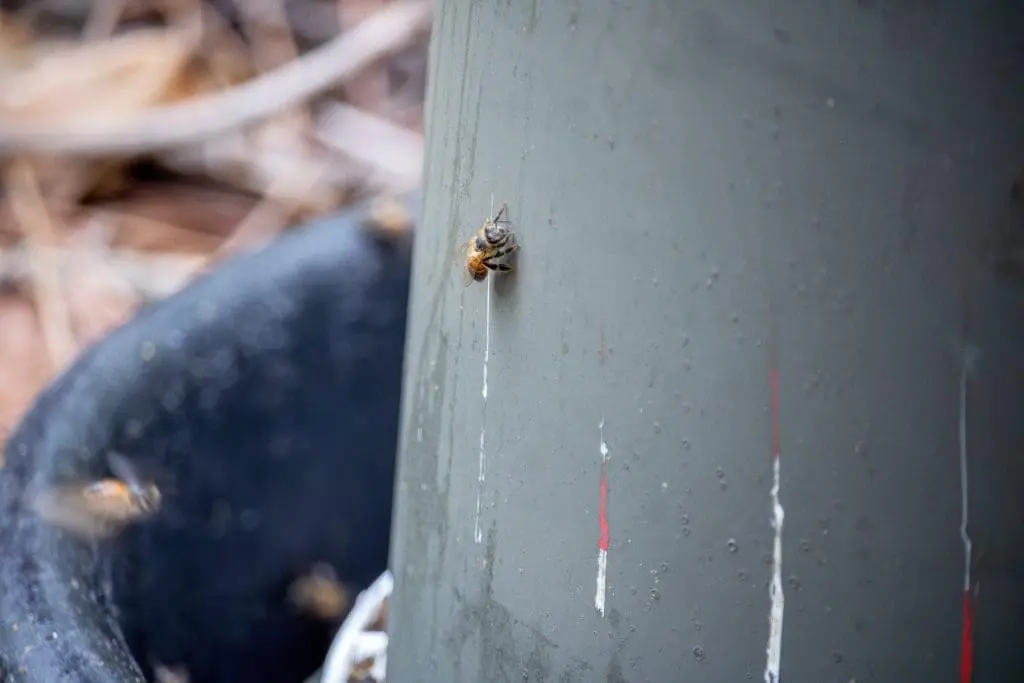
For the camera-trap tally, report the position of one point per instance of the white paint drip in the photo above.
(487, 337)
(347, 650)
(604, 444)
(602, 580)
(477, 532)
(968, 364)
(774, 649)
(602, 554)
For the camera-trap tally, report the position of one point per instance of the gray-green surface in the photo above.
(692, 181)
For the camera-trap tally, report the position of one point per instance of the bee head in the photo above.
(495, 232)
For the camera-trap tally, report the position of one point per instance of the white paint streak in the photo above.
(342, 657)
(602, 554)
(602, 580)
(477, 532)
(604, 444)
(774, 649)
(968, 364)
(487, 337)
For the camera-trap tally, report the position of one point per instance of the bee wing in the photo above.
(124, 469)
(459, 261)
(459, 253)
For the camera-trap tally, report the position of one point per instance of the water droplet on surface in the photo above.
(686, 444)
(805, 545)
(732, 545)
(793, 582)
(657, 428)
(686, 407)
(685, 519)
(698, 653)
(719, 472)
(664, 567)
(655, 595)
(837, 657)
(686, 531)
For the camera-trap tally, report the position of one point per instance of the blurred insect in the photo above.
(320, 593)
(166, 674)
(492, 241)
(387, 218)
(101, 508)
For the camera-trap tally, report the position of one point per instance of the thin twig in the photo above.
(29, 209)
(103, 19)
(150, 275)
(392, 153)
(205, 117)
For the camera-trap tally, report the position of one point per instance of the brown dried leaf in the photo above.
(15, 43)
(172, 217)
(98, 298)
(102, 82)
(370, 89)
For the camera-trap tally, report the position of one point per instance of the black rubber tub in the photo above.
(263, 400)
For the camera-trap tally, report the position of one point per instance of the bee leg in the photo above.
(500, 267)
(505, 251)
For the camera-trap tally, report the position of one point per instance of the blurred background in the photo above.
(98, 218)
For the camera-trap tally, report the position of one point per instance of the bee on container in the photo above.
(101, 508)
(492, 241)
(320, 593)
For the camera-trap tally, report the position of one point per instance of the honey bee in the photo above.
(101, 508)
(320, 593)
(492, 241)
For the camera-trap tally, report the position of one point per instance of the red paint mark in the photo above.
(966, 640)
(602, 510)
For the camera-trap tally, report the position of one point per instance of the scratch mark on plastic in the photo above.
(602, 520)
